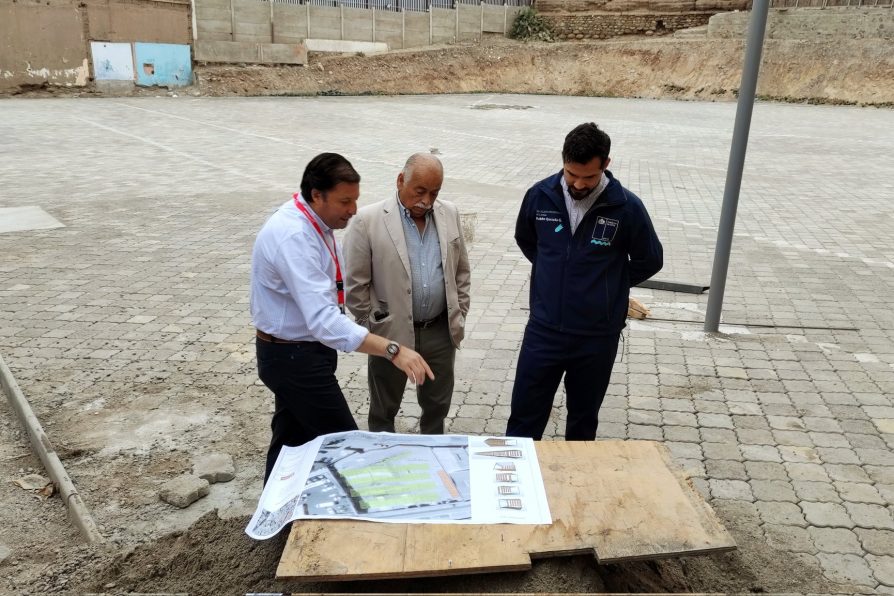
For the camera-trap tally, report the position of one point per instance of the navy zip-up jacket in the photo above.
(581, 284)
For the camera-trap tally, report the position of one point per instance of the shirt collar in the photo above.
(313, 214)
(603, 182)
(406, 212)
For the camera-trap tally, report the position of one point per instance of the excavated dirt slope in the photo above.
(843, 71)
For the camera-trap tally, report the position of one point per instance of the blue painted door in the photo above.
(162, 64)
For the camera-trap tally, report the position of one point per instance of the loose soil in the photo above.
(214, 556)
(839, 72)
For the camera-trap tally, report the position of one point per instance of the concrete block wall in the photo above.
(255, 21)
(252, 21)
(416, 29)
(325, 22)
(357, 24)
(289, 23)
(469, 22)
(214, 20)
(389, 26)
(498, 19)
(443, 25)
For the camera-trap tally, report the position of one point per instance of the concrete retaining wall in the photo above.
(251, 53)
(811, 24)
(345, 47)
(256, 22)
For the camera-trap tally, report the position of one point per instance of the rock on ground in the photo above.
(214, 467)
(184, 490)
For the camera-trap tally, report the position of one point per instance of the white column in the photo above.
(232, 21)
(195, 23)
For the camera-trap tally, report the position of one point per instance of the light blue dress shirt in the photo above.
(293, 295)
(427, 271)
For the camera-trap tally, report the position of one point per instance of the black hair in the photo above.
(325, 172)
(584, 143)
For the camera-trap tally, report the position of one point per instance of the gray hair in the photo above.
(417, 159)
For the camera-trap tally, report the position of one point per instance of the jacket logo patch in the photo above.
(604, 231)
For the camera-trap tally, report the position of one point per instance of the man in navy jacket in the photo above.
(589, 241)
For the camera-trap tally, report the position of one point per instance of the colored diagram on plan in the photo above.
(377, 477)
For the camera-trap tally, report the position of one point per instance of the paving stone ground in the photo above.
(128, 328)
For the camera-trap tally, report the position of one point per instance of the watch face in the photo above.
(392, 349)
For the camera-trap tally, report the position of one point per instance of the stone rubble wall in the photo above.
(604, 26)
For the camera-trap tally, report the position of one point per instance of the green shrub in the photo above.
(530, 26)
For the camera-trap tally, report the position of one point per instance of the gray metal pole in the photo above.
(744, 108)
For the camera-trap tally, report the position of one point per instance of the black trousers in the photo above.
(586, 362)
(309, 402)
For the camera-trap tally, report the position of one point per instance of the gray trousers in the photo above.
(387, 383)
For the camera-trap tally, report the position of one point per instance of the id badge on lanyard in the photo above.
(339, 282)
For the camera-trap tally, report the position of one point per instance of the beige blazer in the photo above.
(377, 270)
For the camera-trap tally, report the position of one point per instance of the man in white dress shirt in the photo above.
(297, 306)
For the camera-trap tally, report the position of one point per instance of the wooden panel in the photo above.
(620, 500)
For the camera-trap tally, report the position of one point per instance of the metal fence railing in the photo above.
(832, 4)
(398, 5)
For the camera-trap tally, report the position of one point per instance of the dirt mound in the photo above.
(839, 71)
(654, 68)
(215, 556)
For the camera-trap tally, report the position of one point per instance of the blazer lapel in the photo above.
(395, 228)
(442, 222)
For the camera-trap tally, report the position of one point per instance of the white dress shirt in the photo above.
(578, 208)
(293, 295)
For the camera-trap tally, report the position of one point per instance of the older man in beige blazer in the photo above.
(407, 278)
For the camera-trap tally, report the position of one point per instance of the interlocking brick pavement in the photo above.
(128, 328)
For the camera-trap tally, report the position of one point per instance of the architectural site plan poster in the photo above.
(396, 478)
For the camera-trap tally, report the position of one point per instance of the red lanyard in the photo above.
(339, 284)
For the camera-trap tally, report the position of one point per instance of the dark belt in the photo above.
(275, 340)
(430, 322)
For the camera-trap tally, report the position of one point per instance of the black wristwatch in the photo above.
(392, 350)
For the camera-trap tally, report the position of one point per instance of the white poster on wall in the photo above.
(112, 61)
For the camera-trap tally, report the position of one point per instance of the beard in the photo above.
(579, 195)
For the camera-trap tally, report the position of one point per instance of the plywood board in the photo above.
(619, 500)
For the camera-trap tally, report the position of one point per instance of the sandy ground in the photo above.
(215, 556)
